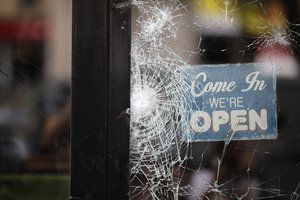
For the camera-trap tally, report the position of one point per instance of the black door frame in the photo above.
(100, 97)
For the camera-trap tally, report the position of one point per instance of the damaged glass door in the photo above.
(214, 99)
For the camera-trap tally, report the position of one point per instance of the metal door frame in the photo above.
(100, 97)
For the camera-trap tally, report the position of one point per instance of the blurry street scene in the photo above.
(35, 74)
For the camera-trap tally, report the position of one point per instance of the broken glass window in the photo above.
(169, 36)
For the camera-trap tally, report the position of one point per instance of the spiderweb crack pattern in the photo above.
(158, 154)
(156, 91)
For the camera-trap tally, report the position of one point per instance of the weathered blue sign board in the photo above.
(230, 102)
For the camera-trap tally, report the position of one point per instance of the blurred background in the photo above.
(35, 74)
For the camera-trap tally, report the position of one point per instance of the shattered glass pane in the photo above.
(171, 35)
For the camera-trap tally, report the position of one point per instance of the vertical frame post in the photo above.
(119, 98)
(100, 97)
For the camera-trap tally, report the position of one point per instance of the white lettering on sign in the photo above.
(258, 120)
(223, 102)
(239, 120)
(211, 87)
(219, 118)
(236, 102)
(200, 121)
(223, 86)
(254, 84)
(217, 102)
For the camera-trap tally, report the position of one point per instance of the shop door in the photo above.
(184, 99)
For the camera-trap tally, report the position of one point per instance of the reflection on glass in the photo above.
(169, 35)
(35, 99)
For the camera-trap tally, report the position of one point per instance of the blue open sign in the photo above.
(230, 102)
